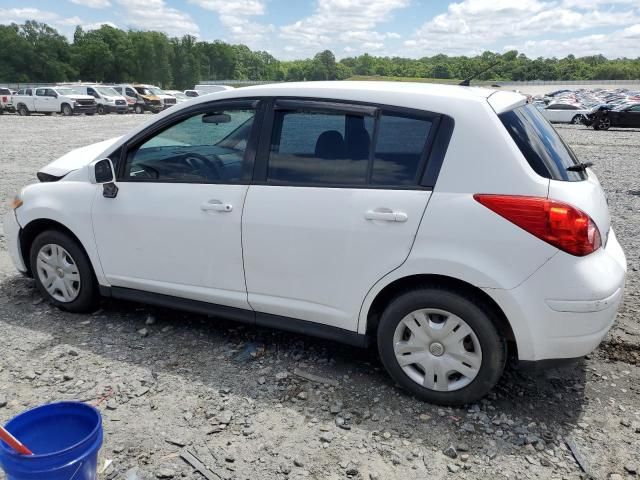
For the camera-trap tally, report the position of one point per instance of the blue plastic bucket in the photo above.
(64, 437)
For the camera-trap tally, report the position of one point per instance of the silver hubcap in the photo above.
(437, 349)
(58, 273)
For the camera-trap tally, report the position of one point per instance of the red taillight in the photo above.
(557, 223)
(5, 99)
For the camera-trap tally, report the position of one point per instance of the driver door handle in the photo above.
(216, 206)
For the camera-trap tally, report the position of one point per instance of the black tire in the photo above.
(23, 111)
(88, 295)
(66, 110)
(101, 110)
(139, 109)
(478, 317)
(604, 124)
(577, 120)
(48, 114)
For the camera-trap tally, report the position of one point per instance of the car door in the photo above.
(629, 117)
(334, 206)
(174, 227)
(41, 101)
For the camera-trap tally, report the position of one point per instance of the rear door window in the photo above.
(347, 148)
(543, 148)
(399, 149)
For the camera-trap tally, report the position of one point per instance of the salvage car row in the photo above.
(597, 108)
(89, 99)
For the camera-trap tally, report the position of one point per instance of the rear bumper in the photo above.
(11, 229)
(565, 309)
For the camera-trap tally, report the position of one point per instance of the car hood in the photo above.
(78, 158)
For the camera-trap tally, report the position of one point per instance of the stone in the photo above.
(3, 401)
(298, 463)
(165, 473)
(143, 332)
(453, 468)
(112, 404)
(151, 320)
(632, 468)
(326, 437)
(281, 375)
(386, 435)
(302, 396)
(225, 417)
(450, 452)
(261, 380)
(463, 447)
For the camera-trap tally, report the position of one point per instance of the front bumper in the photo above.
(85, 108)
(11, 229)
(565, 308)
(115, 108)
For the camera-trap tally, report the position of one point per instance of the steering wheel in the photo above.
(212, 167)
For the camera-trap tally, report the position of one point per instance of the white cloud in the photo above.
(20, 15)
(156, 15)
(96, 25)
(232, 7)
(621, 43)
(338, 22)
(472, 26)
(93, 3)
(235, 16)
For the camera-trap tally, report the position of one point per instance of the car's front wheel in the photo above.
(62, 272)
(441, 346)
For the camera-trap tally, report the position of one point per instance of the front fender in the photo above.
(69, 204)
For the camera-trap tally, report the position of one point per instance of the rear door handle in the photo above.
(216, 206)
(385, 215)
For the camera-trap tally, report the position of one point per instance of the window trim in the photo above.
(422, 181)
(168, 122)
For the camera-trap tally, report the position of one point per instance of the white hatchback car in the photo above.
(448, 225)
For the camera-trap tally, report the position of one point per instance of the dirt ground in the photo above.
(168, 382)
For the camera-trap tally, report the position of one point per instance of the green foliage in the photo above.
(35, 52)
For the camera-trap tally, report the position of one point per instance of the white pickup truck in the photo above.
(50, 100)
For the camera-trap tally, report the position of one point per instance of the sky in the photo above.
(290, 29)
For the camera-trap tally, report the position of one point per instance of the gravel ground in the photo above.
(167, 382)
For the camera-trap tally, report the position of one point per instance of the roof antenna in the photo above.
(507, 57)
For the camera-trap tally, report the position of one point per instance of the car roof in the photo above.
(406, 94)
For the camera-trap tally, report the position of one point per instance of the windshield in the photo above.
(67, 91)
(108, 91)
(540, 144)
(156, 91)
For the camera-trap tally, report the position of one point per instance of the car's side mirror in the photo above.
(101, 172)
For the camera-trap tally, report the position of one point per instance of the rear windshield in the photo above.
(540, 144)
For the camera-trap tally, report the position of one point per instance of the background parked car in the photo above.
(5, 101)
(180, 96)
(49, 100)
(107, 99)
(623, 116)
(153, 91)
(131, 96)
(192, 93)
(565, 113)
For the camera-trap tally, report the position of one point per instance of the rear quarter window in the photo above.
(543, 148)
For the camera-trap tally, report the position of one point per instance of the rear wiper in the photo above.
(579, 167)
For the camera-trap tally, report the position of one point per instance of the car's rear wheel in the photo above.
(577, 120)
(62, 272)
(441, 346)
(138, 109)
(23, 111)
